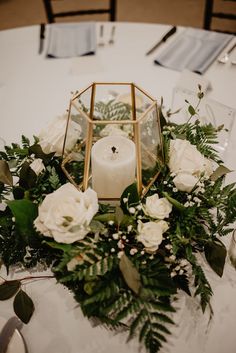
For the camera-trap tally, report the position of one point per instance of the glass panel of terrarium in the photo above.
(208, 111)
(142, 102)
(116, 128)
(83, 101)
(112, 102)
(151, 149)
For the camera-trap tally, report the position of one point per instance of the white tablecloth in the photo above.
(33, 90)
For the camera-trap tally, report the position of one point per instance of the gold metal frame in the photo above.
(88, 141)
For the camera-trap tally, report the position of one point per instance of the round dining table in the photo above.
(33, 90)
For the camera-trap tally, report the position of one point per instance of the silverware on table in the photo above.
(8, 331)
(101, 41)
(223, 59)
(111, 40)
(162, 40)
(41, 37)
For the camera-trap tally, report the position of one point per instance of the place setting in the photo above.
(68, 40)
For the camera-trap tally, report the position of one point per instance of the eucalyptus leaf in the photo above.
(174, 202)
(130, 274)
(59, 246)
(28, 177)
(132, 196)
(106, 217)
(191, 110)
(18, 192)
(36, 149)
(8, 289)
(128, 220)
(215, 253)
(96, 226)
(5, 174)
(23, 306)
(25, 213)
(219, 172)
(163, 121)
(119, 214)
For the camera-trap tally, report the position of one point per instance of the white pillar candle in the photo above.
(113, 166)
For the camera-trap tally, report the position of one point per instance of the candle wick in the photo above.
(114, 149)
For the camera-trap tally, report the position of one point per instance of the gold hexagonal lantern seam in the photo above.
(88, 114)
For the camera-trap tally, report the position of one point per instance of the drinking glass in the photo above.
(209, 111)
(232, 249)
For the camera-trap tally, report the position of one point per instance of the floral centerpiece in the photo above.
(127, 263)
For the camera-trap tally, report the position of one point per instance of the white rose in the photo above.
(51, 139)
(66, 213)
(156, 207)
(185, 181)
(164, 225)
(37, 166)
(184, 157)
(150, 235)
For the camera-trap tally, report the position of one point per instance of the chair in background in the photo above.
(210, 14)
(52, 15)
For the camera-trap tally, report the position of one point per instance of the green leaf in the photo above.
(119, 215)
(163, 121)
(130, 193)
(106, 217)
(96, 226)
(8, 289)
(23, 306)
(38, 152)
(25, 213)
(219, 172)
(18, 192)
(5, 174)
(215, 253)
(191, 110)
(89, 287)
(27, 176)
(64, 247)
(174, 202)
(130, 274)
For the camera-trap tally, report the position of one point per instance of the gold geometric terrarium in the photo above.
(118, 141)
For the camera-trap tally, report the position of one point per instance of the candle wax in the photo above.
(113, 165)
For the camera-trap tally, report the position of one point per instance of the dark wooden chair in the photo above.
(209, 14)
(52, 14)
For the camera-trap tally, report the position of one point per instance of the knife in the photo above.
(7, 332)
(41, 37)
(163, 39)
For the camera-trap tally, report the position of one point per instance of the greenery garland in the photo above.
(113, 275)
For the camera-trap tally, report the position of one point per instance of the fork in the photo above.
(101, 42)
(111, 40)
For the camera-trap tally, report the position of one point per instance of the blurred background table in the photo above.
(33, 90)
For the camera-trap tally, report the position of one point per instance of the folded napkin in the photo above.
(194, 49)
(71, 39)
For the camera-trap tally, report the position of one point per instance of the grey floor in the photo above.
(17, 13)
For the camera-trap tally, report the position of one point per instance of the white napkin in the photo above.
(68, 40)
(194, 49)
